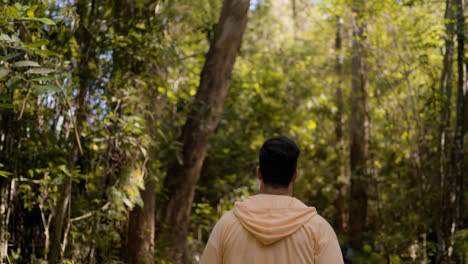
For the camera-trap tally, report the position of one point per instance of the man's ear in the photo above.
(294, 176)
(259, 174)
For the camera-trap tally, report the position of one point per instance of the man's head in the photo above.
(278, 161)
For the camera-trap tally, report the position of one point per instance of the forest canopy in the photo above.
(129, 127)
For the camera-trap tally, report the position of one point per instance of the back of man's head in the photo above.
(278, 161)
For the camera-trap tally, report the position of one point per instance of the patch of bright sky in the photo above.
(254, 3)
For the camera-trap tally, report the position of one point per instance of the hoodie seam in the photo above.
(227, 228)
(274, 208)
(215, 248)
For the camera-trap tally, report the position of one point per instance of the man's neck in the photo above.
(266, 189)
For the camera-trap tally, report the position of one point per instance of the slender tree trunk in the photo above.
(8, 142)
(446, 87)
(339, 127)
(359, 130)
(57, 226)
(460, 128)
(443, 222)
(295, 22)
(3, 220)
(182, 179)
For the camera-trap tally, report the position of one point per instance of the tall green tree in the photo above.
(59, 220)
(446, 84)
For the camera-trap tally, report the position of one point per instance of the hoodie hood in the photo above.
(270, 218)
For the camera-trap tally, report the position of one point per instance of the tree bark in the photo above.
(443, 222)
(57, 225)
(446, 86)
(181, 179)
(359, 133)
(141, 226)
(339, 128)
(456, 194)
(295, 22)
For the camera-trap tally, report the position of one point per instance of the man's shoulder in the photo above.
(227, 218)
(318, 221)
(320, 227)
(224, 224)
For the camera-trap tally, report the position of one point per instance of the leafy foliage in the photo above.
(140, 69)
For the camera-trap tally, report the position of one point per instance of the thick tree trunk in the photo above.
(339, 128)
(141, 226)
(181, 179)
(452, 181)
(359, 133)
(443, 222)
(61, 209)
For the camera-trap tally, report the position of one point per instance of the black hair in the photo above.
(278, 161)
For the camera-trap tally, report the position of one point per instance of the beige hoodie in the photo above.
(272, 229)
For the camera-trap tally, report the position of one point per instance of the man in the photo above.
(273, 227)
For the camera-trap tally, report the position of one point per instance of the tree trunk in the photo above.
(446, 87)
(141, 226)
(295, 22)
(339, 127)
(460, 129)
(181, 179)
(443, 222)
(83, 37)
(9, 139)
(358, 130)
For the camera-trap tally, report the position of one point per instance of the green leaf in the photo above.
(43, 78)
(13, 82)
(31, 10)
(4, 72)
(46, 52)
(13, 11)
(7, 106)
(5, 37)
(46, 88)
(17, 47)
(10, 56)
(47, 21)
(25, 64)
(4, 97)
(179, 157)
(127, 202)
(15, 38)
(44, 20)
(40, 70)
(37, 44)
(5, 174)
